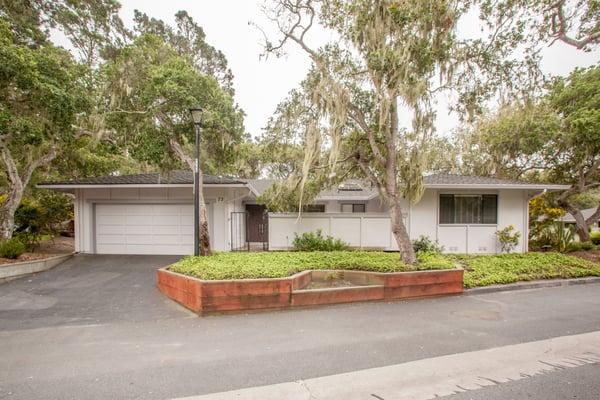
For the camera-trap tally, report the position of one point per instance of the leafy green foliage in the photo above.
(595, 238)
(40, 216)
(579, 246)
(509, 268)
(315, 241)
(508, 238)
(424, 244)
(12, 248)
(542, 215)
(281, 264)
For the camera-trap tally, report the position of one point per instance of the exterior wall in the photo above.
(364, 230)
(373, 229)
(470, 238)
(221, 202)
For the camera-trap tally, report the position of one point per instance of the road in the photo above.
(91, 330)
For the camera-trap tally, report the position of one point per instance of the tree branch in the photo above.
(560, 26)
(183, 156)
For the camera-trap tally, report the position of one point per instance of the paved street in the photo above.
(96, 327)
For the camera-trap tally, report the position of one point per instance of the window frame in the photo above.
(481, 212)
(363, 205)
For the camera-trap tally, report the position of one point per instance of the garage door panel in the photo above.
(187, 210)
(139, 220)
(167, 239)
(139, 209)
(111, 249)
(138, 229)
(139, 239)
(111, 239)
(112, 209)
(187, 229)
(144, 228)
(166, 230)
(110, 229)
(110, 219)
(166, 209)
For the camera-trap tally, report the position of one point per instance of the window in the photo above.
(313, 208)
(468, 209)
(353, 208)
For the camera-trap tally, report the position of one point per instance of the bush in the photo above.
(508, 238)
(12, 248)
(595, 238)
(579, 246)
(509, 268)
(278, 264)
(425, 245)
(315, 241)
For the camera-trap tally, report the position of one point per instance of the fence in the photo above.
(364, 230)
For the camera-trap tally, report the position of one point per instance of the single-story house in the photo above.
(568, 219)
(153, 213)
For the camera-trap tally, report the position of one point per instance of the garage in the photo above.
(144, 229)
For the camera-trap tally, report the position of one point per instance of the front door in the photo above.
(257, 223)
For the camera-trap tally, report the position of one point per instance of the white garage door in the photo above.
(144, 228)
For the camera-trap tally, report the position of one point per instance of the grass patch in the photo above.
(510, 268)
(281, 264)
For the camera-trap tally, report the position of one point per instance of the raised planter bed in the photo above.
(20, 269)
(206, 296)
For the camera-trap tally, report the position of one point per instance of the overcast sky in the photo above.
(261, 84)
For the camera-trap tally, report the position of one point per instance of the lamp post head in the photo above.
(196, 115)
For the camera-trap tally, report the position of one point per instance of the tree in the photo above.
(388, 57)
(40, 95)
(150, 90)
(555, 138)
(539, 22)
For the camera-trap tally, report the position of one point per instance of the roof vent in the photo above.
(349, 187)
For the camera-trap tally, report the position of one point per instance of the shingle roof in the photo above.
(174, 177)
(452, 179)
(586, 214)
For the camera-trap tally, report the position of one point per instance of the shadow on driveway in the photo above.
(88, 289)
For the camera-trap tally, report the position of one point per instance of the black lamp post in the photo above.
(197, 118)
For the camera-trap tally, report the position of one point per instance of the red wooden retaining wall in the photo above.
(206, 297)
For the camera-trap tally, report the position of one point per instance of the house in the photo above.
(569, 220)
(153, 213)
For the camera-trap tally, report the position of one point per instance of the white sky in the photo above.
(261, 84)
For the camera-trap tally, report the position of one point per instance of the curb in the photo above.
(531, 285)
(12, 271)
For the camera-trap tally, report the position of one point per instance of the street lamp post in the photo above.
(197, 118)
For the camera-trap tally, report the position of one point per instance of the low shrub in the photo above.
(12, 248)
(426, 245)
(579, 246)
(508, 238)
(595, 238)
(279, 264)
(509, 268)
(315, 241)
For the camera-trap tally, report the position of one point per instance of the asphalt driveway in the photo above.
(88, 289)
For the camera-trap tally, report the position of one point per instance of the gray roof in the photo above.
(452, 179)
(586, 214)
(179, 177)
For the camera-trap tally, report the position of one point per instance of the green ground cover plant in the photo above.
(509, 268)
(286, 263)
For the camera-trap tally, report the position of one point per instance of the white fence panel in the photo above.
(368, 230)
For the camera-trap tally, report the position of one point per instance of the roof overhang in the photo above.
(136, 186)
(522, 186)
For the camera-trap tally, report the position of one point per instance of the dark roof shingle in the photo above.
(180, 177)
(452, 179)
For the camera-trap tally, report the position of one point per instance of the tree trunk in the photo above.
(204, 232)
(407, 253)
(581, 225)
(580, 222)
(7, 212)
